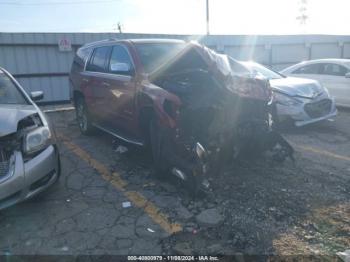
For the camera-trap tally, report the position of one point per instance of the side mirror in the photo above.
(122, 68)
(347, 75)
(36, 95)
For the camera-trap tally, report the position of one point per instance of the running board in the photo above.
(131, 141)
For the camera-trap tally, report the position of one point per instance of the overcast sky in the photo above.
(175, 16)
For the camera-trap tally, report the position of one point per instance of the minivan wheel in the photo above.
(83, 117)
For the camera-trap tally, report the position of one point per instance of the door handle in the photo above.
(85, 80)
(106, 84)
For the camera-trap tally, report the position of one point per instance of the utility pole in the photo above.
(207, 17)
(302, 17)
(120, 27)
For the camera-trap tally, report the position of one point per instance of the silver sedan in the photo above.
(334, 74)
(304, 101)
(29, 158)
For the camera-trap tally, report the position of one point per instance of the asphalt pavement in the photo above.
(108, 202)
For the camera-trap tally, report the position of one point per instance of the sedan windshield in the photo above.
(9, 93)
(257, 68)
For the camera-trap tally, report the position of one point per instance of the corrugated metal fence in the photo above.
(35, 60)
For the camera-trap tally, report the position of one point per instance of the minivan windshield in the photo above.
(154, 55)
(9, 93)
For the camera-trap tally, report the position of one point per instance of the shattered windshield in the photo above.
(221, 61)
(154, 55)
(223, 64)
(9, 93)
(262, 70)
(238, 68)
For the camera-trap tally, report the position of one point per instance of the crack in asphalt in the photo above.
(135, 197)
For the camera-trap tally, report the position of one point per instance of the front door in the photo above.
(333, 78)
(311, 71)
(121, 84)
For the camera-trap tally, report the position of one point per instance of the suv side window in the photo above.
(120, 55)
(308, 69)
(333, 70)
(80, 58)
(98, 59)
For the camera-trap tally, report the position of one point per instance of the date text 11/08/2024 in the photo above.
(173, 258)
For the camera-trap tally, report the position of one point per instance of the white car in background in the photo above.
(334, 74)
(304, 101)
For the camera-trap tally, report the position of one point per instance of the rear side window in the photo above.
(333, 70)
(80, 59)
(308, 69)
(120, 56)
(98, 59)
(81, 56)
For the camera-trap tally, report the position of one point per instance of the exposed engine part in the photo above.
(13, 142)
(8, 145)
(205, 184)
(29, 122)
(283, 149)
(227, 116)
(4, 163)
(178, 173)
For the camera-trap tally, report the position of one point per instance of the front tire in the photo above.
(83, 117)
(157, 145)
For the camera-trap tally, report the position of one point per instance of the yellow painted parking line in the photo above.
(115, 179)
(323, 152)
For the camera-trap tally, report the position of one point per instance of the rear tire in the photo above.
(83, 117)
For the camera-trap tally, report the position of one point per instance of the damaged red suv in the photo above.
(180, 98)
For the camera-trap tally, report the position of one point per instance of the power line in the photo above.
(17, 3)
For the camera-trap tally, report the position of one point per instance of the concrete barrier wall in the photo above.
(35, 60)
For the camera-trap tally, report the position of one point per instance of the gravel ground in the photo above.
(300, 208)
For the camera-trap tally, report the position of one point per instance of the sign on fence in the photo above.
(64, 45)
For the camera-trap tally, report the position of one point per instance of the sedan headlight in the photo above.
(37, 139)
(285, 100)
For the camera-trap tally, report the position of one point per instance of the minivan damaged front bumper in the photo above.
(26, 179)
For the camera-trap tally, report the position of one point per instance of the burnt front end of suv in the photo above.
(216, 118)
(213, 130)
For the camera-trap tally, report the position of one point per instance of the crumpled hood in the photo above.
(294, 86)
(10, 115)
